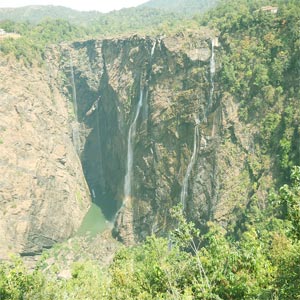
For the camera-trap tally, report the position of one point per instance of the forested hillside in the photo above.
(261, 69)
(151, 9)
(35, 14)
(35, 37)
(187, 7)
(258, 255)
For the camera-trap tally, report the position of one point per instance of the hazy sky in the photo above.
(100, 5)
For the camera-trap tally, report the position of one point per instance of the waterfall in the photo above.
(184, 189)
(102, 181)
(130, 140)
(147, 81)
(212, 69)
(75, 125)
(130, 144)
(73, 88)
(153, 48)
(213, 130)
(212, 72)
(75, 136)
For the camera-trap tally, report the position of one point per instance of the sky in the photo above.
(100, 5)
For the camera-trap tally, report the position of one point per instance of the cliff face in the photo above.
(151, 125)
(43, 193)
(156, 128)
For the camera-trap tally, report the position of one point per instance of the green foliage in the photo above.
(260, 68)
(287, 279)
(34, 39)
(261, 263)
(260, 258)
(237, 270)
(16, 281)
(187, 7)
(35, 14)
(289, 199)
(141, 20)
(155, 9)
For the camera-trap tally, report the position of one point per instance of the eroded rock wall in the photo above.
(174, 75)
(67, 127)
(43, 193)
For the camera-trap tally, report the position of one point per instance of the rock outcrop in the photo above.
(94, 92)
(174, 76)
(43, 193)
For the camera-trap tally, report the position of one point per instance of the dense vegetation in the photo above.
(260, 257)
(34, 38)
(187, 7)
(36, 14)
(141, 20)
(261, 70)
(31, 45)
(261, 263)
(40, 26)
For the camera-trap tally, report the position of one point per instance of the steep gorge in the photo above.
(164, 93)
(43, 193)
(149, 108)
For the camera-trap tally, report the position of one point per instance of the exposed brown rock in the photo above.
(43, 194)
(175, 78)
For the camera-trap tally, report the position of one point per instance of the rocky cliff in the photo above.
(156, 128)
(144, 121)
(43, 193)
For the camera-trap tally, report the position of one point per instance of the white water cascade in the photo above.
(130, 144)
(75, 128)
(212, 72)
(185, 182)
(153, 48)
(73, 88)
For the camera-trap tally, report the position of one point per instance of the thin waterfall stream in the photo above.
(185, 182)
(212, 69)
(75, 127)
(212, 73)
(130, 143)
(153, 49)
(73, 88)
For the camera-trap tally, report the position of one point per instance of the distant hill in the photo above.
(187, 7)
(134, 20)
(127, 20)
(36, 13)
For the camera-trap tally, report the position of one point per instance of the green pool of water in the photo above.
(93, 223)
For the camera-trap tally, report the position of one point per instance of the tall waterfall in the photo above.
(153, 48)
(212, 72)
(75, 126)
(212, 69)
(73, 88)
(184, 189)
(96, 104)
(130, 144)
